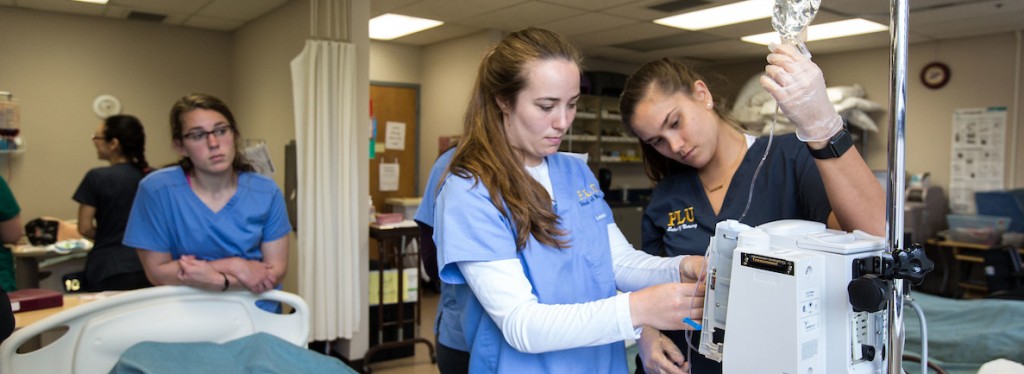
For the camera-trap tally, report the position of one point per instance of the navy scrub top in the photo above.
(680, 221)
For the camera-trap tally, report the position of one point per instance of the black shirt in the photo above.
(111, 190)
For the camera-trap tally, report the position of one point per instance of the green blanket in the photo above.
(257, 353)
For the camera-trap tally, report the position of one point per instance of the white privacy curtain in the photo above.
(324, 90)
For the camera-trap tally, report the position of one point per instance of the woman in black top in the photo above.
(106, 195)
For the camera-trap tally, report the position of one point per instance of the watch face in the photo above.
(935, 75)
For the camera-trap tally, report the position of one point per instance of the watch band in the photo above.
(837, 145)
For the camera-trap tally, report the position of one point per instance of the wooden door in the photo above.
(395, 103)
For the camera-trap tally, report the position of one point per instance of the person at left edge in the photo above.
(10, 233)
(210, 222)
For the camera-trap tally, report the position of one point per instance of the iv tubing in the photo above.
(924, 334)
(898, 22)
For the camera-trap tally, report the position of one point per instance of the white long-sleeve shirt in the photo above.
(528, 326)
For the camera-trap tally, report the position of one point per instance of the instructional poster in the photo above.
(976, 156)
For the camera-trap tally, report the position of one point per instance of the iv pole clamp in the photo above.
(869, 291)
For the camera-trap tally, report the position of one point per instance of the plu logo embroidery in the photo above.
(589, 194)
(681, 220)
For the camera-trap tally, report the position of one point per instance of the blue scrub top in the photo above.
(447, 325)
(167, 216)
(469, 228)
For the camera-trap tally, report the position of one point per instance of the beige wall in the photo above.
(982, 76)
(448, 71)
(395, 63)
(56, 64)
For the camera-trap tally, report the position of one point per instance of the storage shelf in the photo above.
(597, 131)
(619, 139)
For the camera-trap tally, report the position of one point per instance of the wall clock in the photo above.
(106, 105)
(935, 75)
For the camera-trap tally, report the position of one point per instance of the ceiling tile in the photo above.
(114, 11)
(641, 10)
(212, 23)
(239, 10)
(175, 19)
(163, 7)
(63, 6)
(378, 7)
(437, 34)
(627, 33)
(454, 10)
(521, 16)
(590, 4)
(668, 41)
(585, 23)
(722, 50)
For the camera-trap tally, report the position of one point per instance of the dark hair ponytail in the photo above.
(129, 133)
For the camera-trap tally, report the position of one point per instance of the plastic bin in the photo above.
(405, 205)
(1003, 203)
(985, 230)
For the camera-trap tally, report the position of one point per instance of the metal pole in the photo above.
(898, 21)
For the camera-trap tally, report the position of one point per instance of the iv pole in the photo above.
(898, 20)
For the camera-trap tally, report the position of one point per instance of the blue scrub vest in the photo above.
(469, 228)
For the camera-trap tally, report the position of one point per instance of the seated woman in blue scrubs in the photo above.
(703, 164)
(210, 222)
(528, 230)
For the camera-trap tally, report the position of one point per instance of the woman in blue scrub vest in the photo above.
(528, 231)
(210, 222)
(452, 351)
(703, 164)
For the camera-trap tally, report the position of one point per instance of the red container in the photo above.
(389, 218)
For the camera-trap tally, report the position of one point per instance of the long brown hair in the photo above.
(485, 153)
(667, 76)
(195, 101)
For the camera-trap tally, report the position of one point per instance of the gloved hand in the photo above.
(799, 87)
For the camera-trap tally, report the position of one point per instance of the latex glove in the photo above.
(659, 354)
(799, 87)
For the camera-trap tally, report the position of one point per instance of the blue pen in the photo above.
(695, 325)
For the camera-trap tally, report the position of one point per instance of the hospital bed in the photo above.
(964, 334)
(98, 332)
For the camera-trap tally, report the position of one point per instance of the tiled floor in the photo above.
(420, 363)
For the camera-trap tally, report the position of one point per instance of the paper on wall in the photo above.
(976, 157)
(388, 176)
(394, 135)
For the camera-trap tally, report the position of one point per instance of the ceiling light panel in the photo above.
(831, 30)
(390, 26)
(729, 14)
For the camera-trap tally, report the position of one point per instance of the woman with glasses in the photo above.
(210, 222)
(106, 195)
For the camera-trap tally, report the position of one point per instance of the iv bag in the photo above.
(791, 17)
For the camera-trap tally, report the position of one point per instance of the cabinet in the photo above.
(598, 132)
(968, 267)
(394, 323)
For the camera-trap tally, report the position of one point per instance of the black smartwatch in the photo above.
(837, 145)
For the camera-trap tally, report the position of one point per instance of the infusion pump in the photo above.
(777, 300)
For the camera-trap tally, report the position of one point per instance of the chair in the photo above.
(99, 331)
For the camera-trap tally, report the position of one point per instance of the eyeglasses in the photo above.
(98, 137)
(200, 135)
